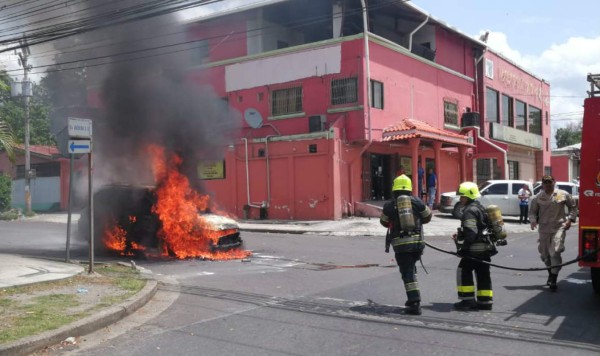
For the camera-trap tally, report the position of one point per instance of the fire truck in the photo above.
(589, 184)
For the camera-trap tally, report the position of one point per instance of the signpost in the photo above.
(80, 141)
(79, 146)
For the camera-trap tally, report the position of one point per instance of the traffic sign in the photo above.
(80, 146)
(81, 128)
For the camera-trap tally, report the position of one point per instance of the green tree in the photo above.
(7, 139)
(568, 135)
(12, 111)
(5, 192)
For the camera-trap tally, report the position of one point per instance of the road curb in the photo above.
(84, 326)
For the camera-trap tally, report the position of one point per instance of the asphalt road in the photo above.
(334, 295)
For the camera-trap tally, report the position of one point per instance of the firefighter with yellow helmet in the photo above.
(404, 216)
(473, 243)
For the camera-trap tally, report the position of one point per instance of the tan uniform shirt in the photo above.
(548, 210)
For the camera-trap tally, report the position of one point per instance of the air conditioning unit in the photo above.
(470, 119)
(317, 123)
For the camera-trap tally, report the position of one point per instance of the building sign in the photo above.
(406, 163)
(512, 135)
(518, 84)
(211, 169)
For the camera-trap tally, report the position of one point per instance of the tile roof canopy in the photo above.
(412, 128)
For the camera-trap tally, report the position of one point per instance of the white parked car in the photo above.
(503, 193)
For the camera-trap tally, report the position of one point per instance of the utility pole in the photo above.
(27, 93)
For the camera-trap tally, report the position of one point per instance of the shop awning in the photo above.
(412, 128)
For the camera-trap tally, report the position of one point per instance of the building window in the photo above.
(199, 54)
(286, 101)
(508, 111)
(491, 105)
(513, 170)
(489, 68)
(521, 122)
(535, 120)
(344, 91)
(451, 112)
(376, 94)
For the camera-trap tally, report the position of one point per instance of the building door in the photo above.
(381, 177)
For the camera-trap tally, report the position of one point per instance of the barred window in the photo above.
(450, 113)
(344, 91)
(286, 101)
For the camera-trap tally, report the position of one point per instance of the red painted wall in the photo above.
(454, 52)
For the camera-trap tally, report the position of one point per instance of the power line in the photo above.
(115, 18)
(296, 23)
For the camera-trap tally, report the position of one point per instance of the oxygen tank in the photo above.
(497, 231)
(405, 213)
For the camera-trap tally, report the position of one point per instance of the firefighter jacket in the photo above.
(405, 241)
(549, 210)
(472, 237)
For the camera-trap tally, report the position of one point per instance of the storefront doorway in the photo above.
(382, 177)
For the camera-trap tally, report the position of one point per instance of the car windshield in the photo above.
(483, 185)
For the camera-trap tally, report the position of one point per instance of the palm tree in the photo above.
(7, 140)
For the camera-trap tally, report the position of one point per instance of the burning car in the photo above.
(131, 220)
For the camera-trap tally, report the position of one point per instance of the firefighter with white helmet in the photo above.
(404, 216)
(473, 244)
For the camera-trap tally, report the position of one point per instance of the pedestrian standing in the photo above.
(474, 247)
(432, 183)
(524, 194)
(404, 216)
(548, 212)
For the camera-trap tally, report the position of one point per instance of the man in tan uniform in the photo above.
(547, 210)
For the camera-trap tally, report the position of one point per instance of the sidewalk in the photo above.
(440, 225)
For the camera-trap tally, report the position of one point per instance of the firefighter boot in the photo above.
(413, 308)
(552, 282)
(466, 305)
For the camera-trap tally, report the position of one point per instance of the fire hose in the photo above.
(514, 268)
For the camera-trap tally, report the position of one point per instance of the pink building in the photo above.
(332, 114)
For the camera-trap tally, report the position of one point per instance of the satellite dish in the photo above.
(253, 118)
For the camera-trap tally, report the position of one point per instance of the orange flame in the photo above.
(184, 232)
(115, 239)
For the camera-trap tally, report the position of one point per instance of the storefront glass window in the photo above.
(508, 113)
(521, 122)
(491, 104)
(535, 120)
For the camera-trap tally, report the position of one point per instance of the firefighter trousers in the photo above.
(407, 263)
(465, 284)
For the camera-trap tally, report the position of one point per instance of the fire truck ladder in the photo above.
(594, 80)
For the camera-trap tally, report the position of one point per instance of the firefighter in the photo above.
(473, 245)
(404, 216)
(548, 213)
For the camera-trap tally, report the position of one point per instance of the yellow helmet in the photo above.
(402, 182)
(469, 190)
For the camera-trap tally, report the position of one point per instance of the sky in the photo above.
(556, 40)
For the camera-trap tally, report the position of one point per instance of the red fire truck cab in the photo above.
(589, 184)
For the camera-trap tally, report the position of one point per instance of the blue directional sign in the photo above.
(80, 146)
